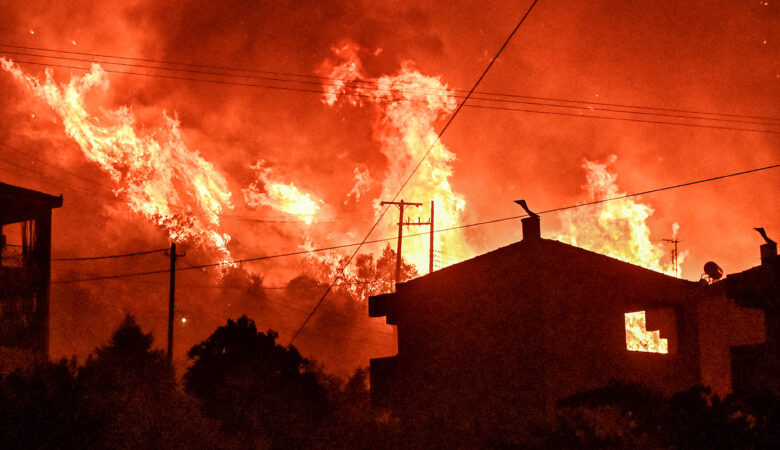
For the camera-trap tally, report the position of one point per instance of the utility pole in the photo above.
(400, 206)
(674, 241)
(430, 250)
(430, 263)
(171, 301)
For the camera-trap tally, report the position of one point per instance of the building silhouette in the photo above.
(756, 368)
(488, 346)
(25, 259)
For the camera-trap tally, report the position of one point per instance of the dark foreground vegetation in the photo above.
(243, 390)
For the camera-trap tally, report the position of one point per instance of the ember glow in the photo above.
(157, 174)
(287, 198)
(617, 228)
(409, 105)
(638, 339)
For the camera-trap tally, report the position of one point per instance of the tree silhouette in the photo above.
(369, 277)
(129, 398)
(622, 415)
(255, 387)
(37, 406)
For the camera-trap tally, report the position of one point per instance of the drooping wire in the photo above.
(321, 79)
(109, 194)
(441, 230)
(320, 91)
(414, 170)
(123, 255)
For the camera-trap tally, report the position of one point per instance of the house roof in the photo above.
(547, 246)
(541, 254)
(17, 204)
(757, 287)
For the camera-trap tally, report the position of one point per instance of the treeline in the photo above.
(244, 390)
(622, 415)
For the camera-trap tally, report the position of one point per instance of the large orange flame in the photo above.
(409, 104)
(616, 228)
(161, 178)
(286, 198)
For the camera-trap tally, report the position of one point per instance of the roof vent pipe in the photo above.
(531, 224)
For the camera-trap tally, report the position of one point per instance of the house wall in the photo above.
(490, 345)
(24, 282)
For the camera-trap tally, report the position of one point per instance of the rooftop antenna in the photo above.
(675, 253)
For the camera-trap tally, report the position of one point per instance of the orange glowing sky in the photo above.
(703, 56)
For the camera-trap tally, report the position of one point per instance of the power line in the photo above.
(334, 316)
(44, 179)
(454, 92)
(62, 183)
(320, 91)
(123, 255)
(627, 119)
(51, 180)
(360, 82)
(441, 230)
(55, 166)
(283, 304)
(414, 170)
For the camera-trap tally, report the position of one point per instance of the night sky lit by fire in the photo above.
(342, 101)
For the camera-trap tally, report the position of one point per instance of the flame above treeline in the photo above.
(616, 228)
(158, 174)
(283, 197)
(409, 104)
(179, 190)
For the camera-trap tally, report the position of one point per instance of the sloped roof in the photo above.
(541, 246)
(530, 258)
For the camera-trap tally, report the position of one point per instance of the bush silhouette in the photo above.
(258, 390)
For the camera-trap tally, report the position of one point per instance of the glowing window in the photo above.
(638, 339)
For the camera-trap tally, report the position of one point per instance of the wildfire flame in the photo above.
(409, 104)
(617, 228)
(265, 191)
(638, 339)
(161, 178)
(363, 183)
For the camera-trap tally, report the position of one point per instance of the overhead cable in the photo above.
(441, 230)
(405, 87)
(471, 105)
(414, 170)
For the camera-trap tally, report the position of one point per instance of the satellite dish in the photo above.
(713, 270)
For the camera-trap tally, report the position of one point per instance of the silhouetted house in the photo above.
(492, 343)
(25, 258)
(756, 368)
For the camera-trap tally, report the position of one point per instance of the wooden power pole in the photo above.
(430, 250)
(401, 224)
(171, 301)
(430, 262)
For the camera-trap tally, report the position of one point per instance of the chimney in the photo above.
(769, 249)
(531, 224)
